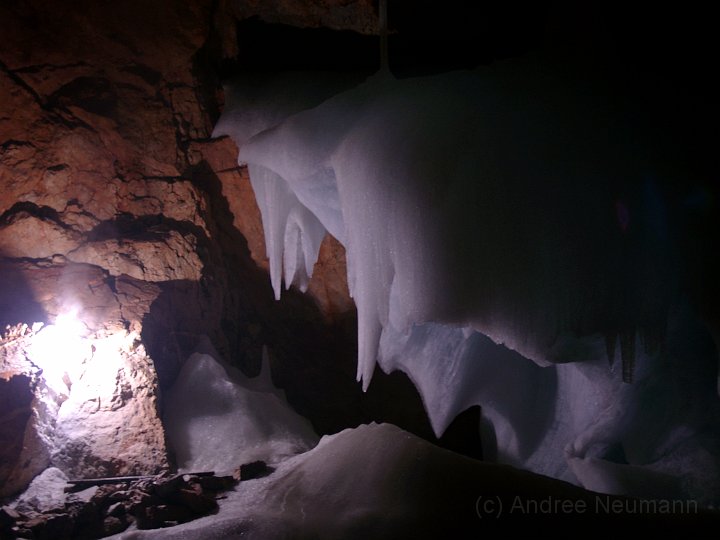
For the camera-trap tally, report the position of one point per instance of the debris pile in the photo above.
(111, 505)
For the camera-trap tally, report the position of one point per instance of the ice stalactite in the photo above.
(292, 232)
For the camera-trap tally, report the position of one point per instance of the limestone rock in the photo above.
(104, 137)
(109, 425)
(46, 510)
(254, 469)
(101, 419)
(328, 285)
(57, 287)
(35, 238)
(45, 493)
(170, 258)
(221, 156)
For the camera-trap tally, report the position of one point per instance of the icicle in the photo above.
(627, 352)
(303, 236)
(296, 272)
(369, 332)
(275, 200)
(292, 232)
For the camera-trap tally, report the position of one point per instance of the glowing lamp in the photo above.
(60, 350)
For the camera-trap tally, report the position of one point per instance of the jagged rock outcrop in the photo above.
(101, 214)
(102, 419)
(109, 425)
(54, 508)
(357, 15)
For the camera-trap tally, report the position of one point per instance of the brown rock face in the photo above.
(110, 180)
(357, 15)
(100, 213)
(109, 425)
(98, 107)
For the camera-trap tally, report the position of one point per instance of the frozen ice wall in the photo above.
(497, 221)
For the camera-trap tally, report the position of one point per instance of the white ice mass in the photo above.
(504, 240)
(217, 419)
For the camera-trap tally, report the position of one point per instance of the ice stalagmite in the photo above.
(217, 419)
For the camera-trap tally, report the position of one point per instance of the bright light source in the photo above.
(60, 350)
(70, 325)
(100, 375)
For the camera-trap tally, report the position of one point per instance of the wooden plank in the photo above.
(81, 483)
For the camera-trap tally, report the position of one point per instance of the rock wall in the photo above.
(115, 200)
(110, 425)
(98, 105)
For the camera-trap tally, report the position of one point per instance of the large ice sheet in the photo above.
(440, 215)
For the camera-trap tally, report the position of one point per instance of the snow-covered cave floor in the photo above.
(378, 481)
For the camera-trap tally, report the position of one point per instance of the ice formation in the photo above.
(496, 222)
(216, 419)
(261, 100)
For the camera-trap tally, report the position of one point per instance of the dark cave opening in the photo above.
(423, 39)
(278, 47)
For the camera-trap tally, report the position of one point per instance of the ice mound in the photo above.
(378, 481)
(216, 422)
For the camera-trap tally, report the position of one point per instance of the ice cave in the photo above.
(358, 269)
